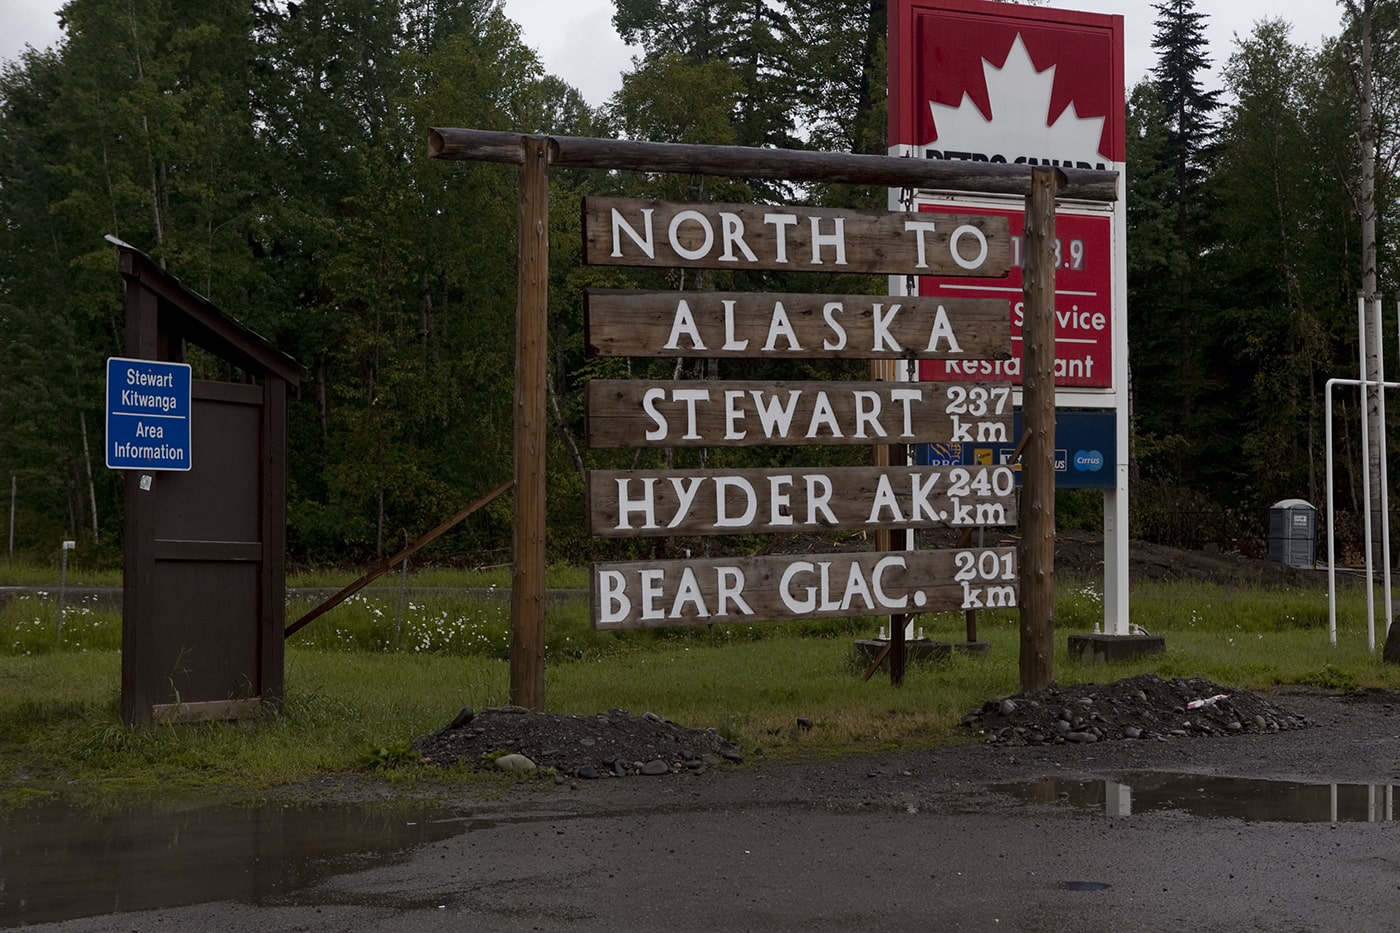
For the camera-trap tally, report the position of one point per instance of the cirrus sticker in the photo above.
(1088, 461)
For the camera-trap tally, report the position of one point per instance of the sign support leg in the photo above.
(531, 371)
(1037, 565)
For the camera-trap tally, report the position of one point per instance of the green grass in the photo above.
(555, 577)
(23, 573)
(363, 681)
(419, 575)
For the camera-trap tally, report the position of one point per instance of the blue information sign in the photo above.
(148, 415)
(1084, 450)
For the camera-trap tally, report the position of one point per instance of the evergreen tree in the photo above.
(1171, 321)
(1273, 341)
(1189, 109)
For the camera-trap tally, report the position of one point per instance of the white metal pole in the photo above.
(62, 587)
(1331, 520)
(1331, 498)
(1385, 473)
(1366, 474)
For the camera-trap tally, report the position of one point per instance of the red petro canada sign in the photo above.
(1083, 304)
(1001, 83)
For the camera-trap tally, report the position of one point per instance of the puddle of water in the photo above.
(1246, 799)
(60, 863)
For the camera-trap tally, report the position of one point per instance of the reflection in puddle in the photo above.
(1204, 795)
(58, 862)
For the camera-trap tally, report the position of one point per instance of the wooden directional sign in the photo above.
(648, 594)
(634, 232)
(624, 413)
(790, 326)
(628, 503)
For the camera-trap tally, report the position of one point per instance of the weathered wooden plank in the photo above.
(630, 503)
(794, 326)
(653, 594)
(628, 413)
(637, 232)
(748, 162)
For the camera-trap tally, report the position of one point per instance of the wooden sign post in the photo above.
(532, 368)
(882, 414)
(1038, 426)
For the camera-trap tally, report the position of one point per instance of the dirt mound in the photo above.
(1142, 707)
(611, 744)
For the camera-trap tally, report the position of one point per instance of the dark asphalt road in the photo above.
(908, 842)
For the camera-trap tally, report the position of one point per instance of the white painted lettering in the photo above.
(612, 597)
(920, 227)
(884, 499)
(652, 589)
(730, 583)
(645, 243)
(979, 238)
(780, 326)
(731, 344)
(827, 604)
(776, 420)
(837, 239)
(856, 586)
(705, 246)
(829, 313)
(685, 496)
(733, 414)
(823, 413)
(904, 397)
(878, 578)
(723, 485)
(942, 330)
(867, 413)
(733, 233)
(809, 604)
(645, 505)
(690, 397)
(881, 322)
(920, 506)
(819, 498)
(689, 593)
(780, 500)
(684, 326)
(649, 399)
(780, 223)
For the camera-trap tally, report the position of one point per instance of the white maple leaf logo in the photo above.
(1020, 103)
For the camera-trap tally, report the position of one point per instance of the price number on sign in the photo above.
(1074, 262)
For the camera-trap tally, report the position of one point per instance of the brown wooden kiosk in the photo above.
(204, 578)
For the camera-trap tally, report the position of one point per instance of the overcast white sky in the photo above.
(576, 41)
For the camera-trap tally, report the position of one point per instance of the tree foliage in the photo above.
(272, 156)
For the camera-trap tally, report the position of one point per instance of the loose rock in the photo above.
(1137, 707)
(517, 764)
(586, 747)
